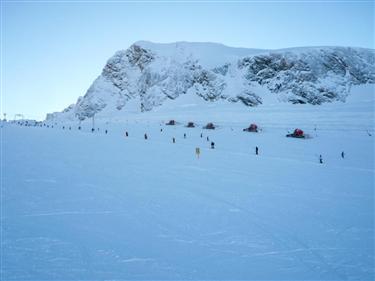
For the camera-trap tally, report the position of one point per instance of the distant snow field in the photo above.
(82, 205)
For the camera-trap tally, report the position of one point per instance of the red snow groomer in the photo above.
(252, 128)
(298, 133)
(209, 126)
(190, 125)
(171, 123)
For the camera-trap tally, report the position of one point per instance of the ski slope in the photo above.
(78, 205)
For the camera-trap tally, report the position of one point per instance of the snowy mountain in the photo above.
(146, 75)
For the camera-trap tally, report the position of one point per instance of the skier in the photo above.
(63, 127)
(145, 136)
(126, 134)
(92, 130)
(197, 152)
(174, 140)
(320, 159)
(201, 135)
(79, 127)
(184, 135)
(256, 150)
(342, 155)
(212, 145)
(106, 131)
(208, 139)
(161, 130)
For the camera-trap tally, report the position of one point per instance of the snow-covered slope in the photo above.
(146, 75)
(78, 205)
(209, 55)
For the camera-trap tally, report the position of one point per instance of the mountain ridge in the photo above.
(147, 74)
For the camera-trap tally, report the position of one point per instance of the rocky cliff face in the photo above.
(312, 76)
(149, 74)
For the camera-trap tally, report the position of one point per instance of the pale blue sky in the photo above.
(52, 51)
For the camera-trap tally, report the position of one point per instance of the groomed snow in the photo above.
(78, 205)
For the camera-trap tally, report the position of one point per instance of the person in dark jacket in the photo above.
(342, 155)
(212, 145)
(146, 137)
(320, 159)
(256, 150)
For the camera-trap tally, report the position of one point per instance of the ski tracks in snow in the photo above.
(287, 240)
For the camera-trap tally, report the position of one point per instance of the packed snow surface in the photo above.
(82, 205)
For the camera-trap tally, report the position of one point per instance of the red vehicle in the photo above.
(298, 133)
(252, 128)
